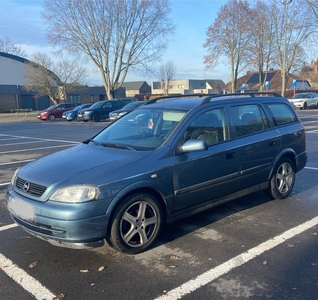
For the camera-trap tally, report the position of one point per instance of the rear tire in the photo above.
(283, 179)
(136, 224)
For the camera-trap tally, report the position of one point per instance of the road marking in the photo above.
(34, 149)
(312, 131)
(3, 228)
(4, 184)
(311, 168)
(30, 284)
(16, 162)
(235, 262)
(41, 139)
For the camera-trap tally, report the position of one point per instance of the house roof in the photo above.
(251, 79)
(134, 85)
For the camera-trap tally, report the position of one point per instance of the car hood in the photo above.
(84, 163)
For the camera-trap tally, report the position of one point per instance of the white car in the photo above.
(305, 100)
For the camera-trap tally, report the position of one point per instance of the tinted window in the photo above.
(210, 126)
(282, 113)
(249, 119)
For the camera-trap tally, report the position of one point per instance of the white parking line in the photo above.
(34, 149)
(235, 262)
(3, 228)
(21, 277)
(311, 168)
(4, 184)
(41, 139)
(16, 162)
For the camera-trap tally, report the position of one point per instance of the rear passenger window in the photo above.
(249, 119)
(282, 114)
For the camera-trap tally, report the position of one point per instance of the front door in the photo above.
(205, 175)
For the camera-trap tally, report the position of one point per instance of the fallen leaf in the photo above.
(291, 245)
(33, 264)
(265, 262)
(92, 284)
(102, 268)
(174, 256)
(172, 267)
(59, 296)
(84, 271)
(163, 293)
(314, 233)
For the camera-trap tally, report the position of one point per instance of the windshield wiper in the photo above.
(91, 140)
(112, 145)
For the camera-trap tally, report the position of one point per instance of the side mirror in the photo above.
(192, 145)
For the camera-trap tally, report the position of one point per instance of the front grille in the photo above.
(34, 189)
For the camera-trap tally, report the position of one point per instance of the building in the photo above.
(250, 82)
(191, 86)
(136, 88)
(13, 95)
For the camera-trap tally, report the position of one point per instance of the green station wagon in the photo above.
(168, 159)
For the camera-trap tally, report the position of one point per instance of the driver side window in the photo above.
(210, 126)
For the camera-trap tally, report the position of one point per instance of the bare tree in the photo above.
(294, 24)
(165, 75)
(51, 79)
(115, 34)
(229, 36)
(261, 46)
(7, 46)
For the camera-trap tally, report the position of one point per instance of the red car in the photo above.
(55, 111)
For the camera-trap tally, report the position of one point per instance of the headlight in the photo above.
(14, 176)
(76, 194)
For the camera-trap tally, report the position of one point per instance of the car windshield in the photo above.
(133, 105)
(97, 104)
(52, 107)
(143, 129)
(80, 107)
(299, 96)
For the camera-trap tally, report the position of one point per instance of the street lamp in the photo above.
(285, 2)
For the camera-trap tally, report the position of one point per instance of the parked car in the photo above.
(163, 161)
(55, 111)
(127, 99)
(71, 115)
(116, 114)
(305, 100)
(99, 110)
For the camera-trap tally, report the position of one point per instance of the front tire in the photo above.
(283, 179)
(305, 105)
(51, 117)
(96, 118)
(136, 224)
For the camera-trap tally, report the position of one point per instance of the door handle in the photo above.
(230, 155)
(272, 143)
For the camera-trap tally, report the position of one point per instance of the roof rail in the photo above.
(176, 96)
(208, 97)
(245, 94)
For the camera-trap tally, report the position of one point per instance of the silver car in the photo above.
(305, 100)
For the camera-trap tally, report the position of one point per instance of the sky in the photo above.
(22, 23)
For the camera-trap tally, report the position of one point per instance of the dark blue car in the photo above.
(71, 115)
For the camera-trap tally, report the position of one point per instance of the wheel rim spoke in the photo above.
(138, 224)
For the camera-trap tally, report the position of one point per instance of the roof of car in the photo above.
(187, 102)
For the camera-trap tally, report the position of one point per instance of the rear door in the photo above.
(204, 175)
(257, 143)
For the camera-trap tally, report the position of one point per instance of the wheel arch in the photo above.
(123, 195)
(289, 153)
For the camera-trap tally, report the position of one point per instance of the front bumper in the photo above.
(84, 117)
(77, 226)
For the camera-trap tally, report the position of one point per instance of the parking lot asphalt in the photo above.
(250, 248)
(18, 117)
